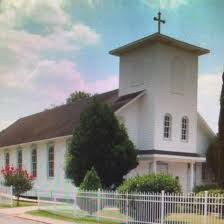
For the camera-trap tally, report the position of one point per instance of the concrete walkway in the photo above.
(20, 213)
(8, 219)
(18, 210)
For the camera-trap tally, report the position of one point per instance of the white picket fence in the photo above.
(6, 196)
(141, 208)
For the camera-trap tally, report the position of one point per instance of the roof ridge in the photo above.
(63, 105)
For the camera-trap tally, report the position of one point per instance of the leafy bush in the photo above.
(151, 183)
(207, 187)
(214, 193)
(19, 179)
(91, 181)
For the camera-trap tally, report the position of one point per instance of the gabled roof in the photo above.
(158, 37)
(56, 122)
(202, 122)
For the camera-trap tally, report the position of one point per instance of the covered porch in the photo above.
(187, 167)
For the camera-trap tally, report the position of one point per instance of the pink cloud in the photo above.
(57, 80)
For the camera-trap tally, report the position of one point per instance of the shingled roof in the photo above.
(56, 122)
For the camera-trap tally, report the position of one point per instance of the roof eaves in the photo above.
(161, 38)
(205, 124)
(131, 101)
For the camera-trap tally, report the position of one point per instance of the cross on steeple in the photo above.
(159, 21)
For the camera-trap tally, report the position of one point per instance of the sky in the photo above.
(51, 48)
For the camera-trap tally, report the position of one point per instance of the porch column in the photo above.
(154, 170)
(192, 170)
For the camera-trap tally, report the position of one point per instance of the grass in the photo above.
(193, 219)
(173, 218)
(21, 204)
(61, 217)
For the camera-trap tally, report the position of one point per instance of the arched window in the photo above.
(51, 161)
(20, 158)
(167, 126)
(177, 76)
(184, 128)
(34, 161)
(7, 159)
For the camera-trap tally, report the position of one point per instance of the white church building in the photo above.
(156, 101)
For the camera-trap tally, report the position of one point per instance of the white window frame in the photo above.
(5, 158)
(167, 127)
(163, 165)
(184, 129)
(33, 163)
(19, 159)
(50, 162)
(68, 143)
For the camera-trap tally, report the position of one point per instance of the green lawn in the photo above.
(69, 219)
(193, 219)
(174, 218)
(21, 204)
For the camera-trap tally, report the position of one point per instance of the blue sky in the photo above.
(50, 48)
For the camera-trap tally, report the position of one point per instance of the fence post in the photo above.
(75, 202)
(11, 195)
(98, 204)
(54, 198)
(162, 206)
(38, 199)
(127, 207)
(205, 207)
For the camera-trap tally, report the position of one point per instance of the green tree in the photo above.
(91, 181)
(100, 141)
(76, 96)
(215, 152)
(19, 179)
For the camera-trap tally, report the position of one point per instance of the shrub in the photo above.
(207, 187)
(19, 179)
(214, 194)
(150, 184)
(91, 181)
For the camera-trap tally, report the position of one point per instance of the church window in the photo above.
(34, 162)
(51, 161)
(162, 167)
(7, 159)
(177, 76)
(184, 128)
(167, 126)
(19, 159)
(68, 145)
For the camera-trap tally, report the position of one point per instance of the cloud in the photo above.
(209, 88)
(165, 4)
(56, 80)
(32, 33)
(21, 50)
(93, 3)
(20, 12)
(64, 78)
